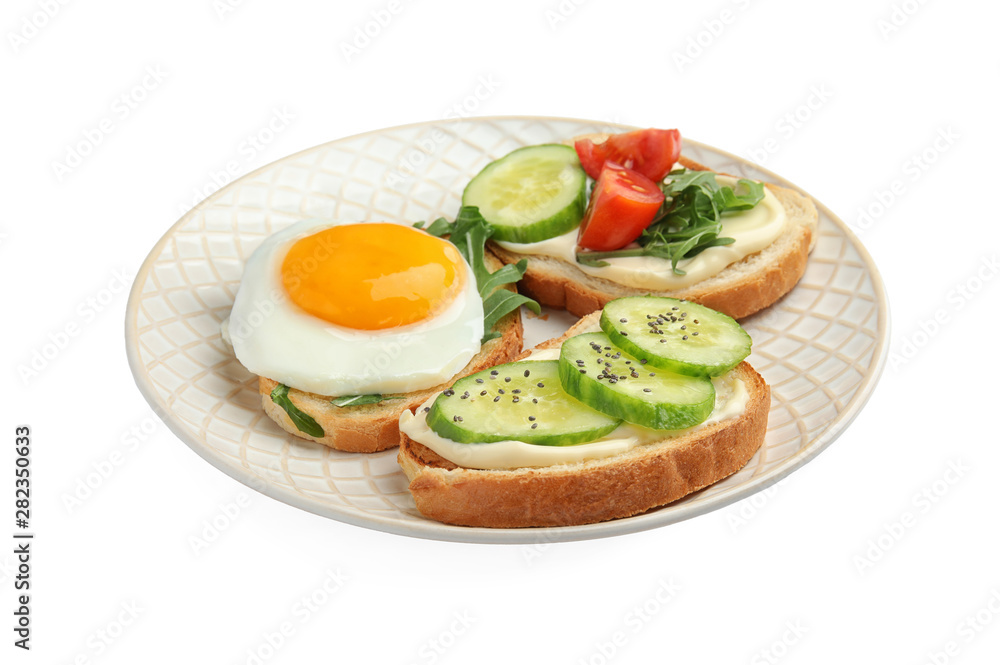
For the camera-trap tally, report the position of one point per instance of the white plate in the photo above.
(822, 347)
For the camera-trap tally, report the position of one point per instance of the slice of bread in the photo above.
(741, 289)
(626, 484)
(370, 428)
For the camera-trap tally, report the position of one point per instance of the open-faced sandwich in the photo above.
(349, 325)
(635, 407)
(653, 222)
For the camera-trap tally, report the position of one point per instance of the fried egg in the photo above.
(338, 308)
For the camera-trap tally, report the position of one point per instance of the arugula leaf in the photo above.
(302, 420)
(588, 258)
(438, 227)
(358, 400)
(469, 233)
(508, 274)
(727, 199)
(501, 303)
(690, 219)
(683, 178)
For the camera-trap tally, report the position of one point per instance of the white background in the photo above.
(820, 570)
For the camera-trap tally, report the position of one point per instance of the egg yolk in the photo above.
(373, 276)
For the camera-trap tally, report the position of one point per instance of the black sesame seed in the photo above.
(531, 418)
(643, 361)
(534, 401)
(496, 399)
(624, 334)
(534, 425)
(541, 385)
(479, 380)
(583, 371)
(494, 372)
(652, 373)
(647, 390)
(527, 373)
(449, 393)
(426, 409)
(623, 320)
(695, 332)
(696, 320)
(684, 327)
(674, 308)
(516, 390)
(501, 391)
(516, 399)
(456, 419)
(506, 379)
(663, 341)
(684, 337)
(482, 394)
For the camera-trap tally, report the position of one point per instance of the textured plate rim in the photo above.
(437, 531)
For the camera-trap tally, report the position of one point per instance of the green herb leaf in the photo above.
(689, 221)
(748, 194)
(681, 179)
(510, 273)
(303, 421)
(358, 400)
(438, 227)
(469, 233)
(500, 303)
(587, 259)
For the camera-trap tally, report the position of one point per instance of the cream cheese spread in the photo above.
(731, 398)
(752, 230)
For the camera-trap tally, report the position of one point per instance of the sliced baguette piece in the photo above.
(741, 289)
(370, 428)
(630, 483)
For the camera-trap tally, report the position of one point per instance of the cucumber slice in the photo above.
(676, 335)
(532, 194)
(520, 401)
(597, 373)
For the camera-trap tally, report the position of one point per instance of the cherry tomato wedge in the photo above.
(651, 152)
(624, 203)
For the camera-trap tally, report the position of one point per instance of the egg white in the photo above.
(274, 338)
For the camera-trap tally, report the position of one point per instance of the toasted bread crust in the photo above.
(740, 290)
(374, 427)
(594, 491)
